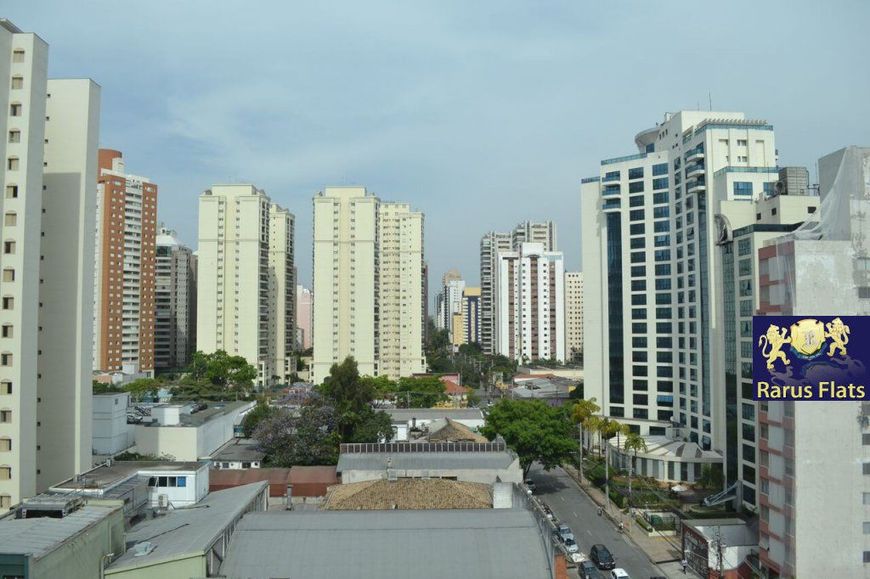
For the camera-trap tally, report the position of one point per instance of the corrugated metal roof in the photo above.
(492, 543)
(424, 460)
(406, 414)
(38, 537)
(188, 531)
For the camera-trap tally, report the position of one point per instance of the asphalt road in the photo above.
(572, 507)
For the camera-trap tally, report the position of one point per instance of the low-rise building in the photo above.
(406, 420)
(427, 544)
(472, 462)
(71, 542)
(719, 547)
(552, 389)
(302, 483)
(183, 432)
(111, 433)
(666, 458)
(187, 542)
(238, 453)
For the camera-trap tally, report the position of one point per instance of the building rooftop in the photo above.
(39, 536)
(426, 544)
(664, 448)
(239, 449)
(408, 494)
(108, 476)
(406, 414)
(214, 410)
(448, 430)
(424, 461)
(186, 531)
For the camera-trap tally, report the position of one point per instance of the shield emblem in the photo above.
(807, 337)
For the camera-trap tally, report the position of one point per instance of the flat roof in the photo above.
(427, 544)
(38, 537)
(406, 414)
(424, 461)
(214, 410)
(239, 449)
(105, 476)
(187, 531)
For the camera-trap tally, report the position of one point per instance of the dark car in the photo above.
(601, 556)
(588, 570)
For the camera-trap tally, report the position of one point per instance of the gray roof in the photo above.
(239, 449)
(107, 476)
(491, 543)
(424, 460)
(38, 537)
(188, 531)
(406, 414)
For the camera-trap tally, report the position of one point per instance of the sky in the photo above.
(480, 114)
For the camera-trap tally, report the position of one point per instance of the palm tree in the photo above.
(635, 442)
(582, 411)
(593, 426)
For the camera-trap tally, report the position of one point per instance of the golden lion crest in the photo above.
(807, 339)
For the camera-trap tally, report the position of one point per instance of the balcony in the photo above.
(693, 170)
(696, 186)
(611, 204)
(695, 153)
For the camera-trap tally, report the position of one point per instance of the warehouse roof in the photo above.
(424, 460)
(376, 544)
(406, 414)
(186, 531)
(408, 494)
(40, 536)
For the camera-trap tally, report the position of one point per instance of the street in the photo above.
(572, 507)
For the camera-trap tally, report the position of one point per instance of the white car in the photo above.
(619, 573)
(571, 546)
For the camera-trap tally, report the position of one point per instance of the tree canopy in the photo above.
(221, 369)
(255, 416)
(534, 430)
(352, 397)
(309, 438)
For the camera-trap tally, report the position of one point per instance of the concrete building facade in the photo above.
(282, 293)
(368, 279)
(46, 304)
(574, 315)
(471, 315)
(238, 269)
(529, 304)
(304, 316)
(126, 231)
(175, 302)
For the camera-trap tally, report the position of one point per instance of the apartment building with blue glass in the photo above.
(654, 339)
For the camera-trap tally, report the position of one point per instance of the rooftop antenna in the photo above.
(710, 100)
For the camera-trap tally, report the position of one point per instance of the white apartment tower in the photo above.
(653, 313)
(174, 302)
(450, 300)
(46, 305)
(237, 301)
(282, 292)
(368, 279)
(574, 315)
(529, 304)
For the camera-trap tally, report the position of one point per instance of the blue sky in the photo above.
(480, 114)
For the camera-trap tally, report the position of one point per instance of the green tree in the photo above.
(221, 369)
(635, 443)
(711, 477)
(382, 387)
(581, 412)
(534, 430)
(421, 392)
(257, 414)
(310, 438)
(142, 388)
(352, 397)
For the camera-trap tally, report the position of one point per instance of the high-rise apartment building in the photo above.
(574, 315)
(490, 245)
(450, 301)
(304, 316)
(46, 305)
(244, 278)
(471, 315)
(653, 284)
(529, 304)
(126, 231)
(368, 279)
(814, 457)
(174, 301)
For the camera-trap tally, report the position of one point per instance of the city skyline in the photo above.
(504, 96)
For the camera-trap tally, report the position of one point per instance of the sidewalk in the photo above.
(662, 551)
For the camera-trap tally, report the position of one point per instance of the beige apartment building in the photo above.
(368, 279)
(245, 277)
(46, 305)
(574, 315)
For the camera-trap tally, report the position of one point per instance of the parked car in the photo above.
(588, 570)
(571, 546)
(530, 484)
(602, 557)
(619, 574)
(565, 532)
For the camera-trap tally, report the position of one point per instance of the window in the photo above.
(6, 359)
(743, 188)
(635, 187)
(663, 269)
(5, 416)
(6, 330)
(12, 191)
(660, 183)
(12, 163)
(660, 169)
(15, 136)
(9, 247)
(5, 471)
(5, 444)
(661, 197)
(8, 303)
(17, 82)
(636, 215)
(8, 275)
(18, 55)
(15, 110)
(811, 209)
(635, 173)
(866, 467)
(638, 285)
(10, 219)
(635, 201)
(5, 388)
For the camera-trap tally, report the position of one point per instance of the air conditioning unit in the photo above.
(163, 501)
